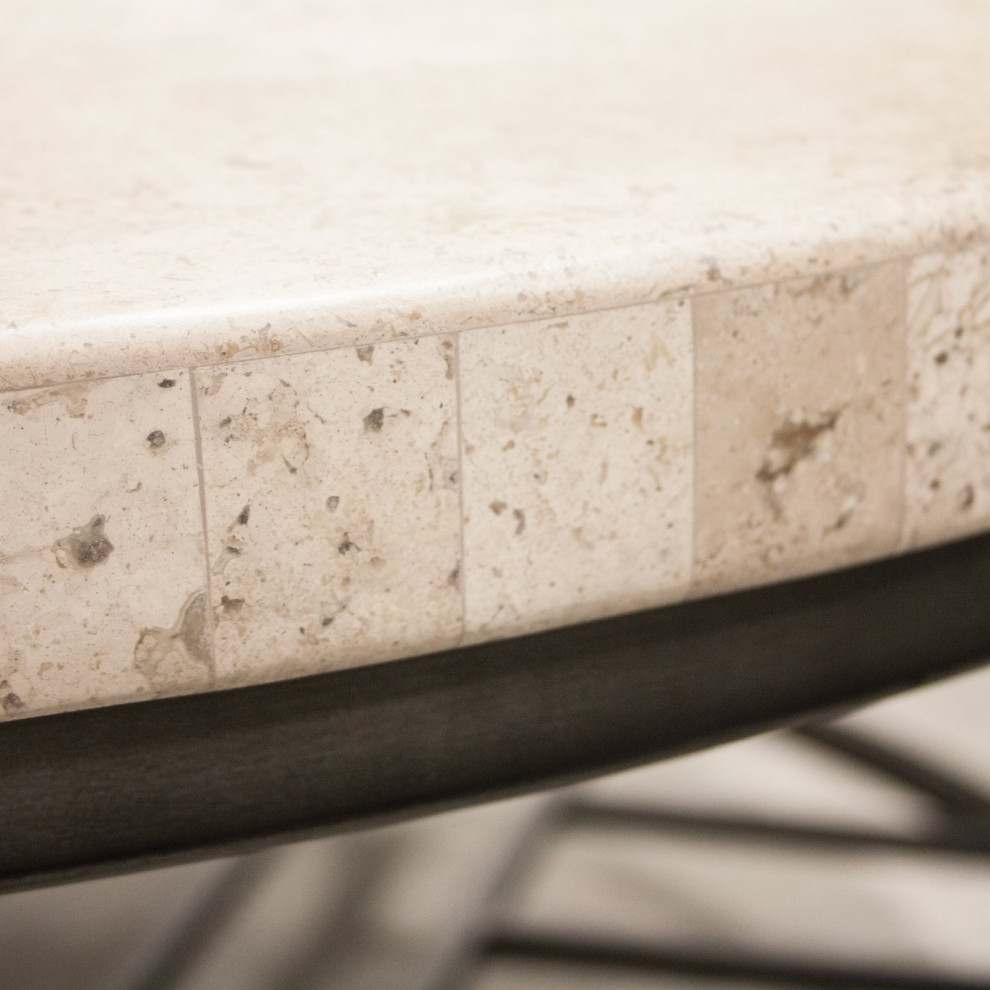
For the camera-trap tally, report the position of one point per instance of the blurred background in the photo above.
(765, 848)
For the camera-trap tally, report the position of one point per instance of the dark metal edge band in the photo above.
(89, 793)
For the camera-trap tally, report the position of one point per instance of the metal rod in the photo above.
(919, 774)
(580, 949)
(210, 916)
(969, 836)
(457, 957)
(362, 866)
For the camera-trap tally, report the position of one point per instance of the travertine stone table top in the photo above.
(335, 333)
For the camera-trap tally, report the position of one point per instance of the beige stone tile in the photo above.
(102, 571)
(799, 397)
(948, 401)
(577, 461)
(332, 507)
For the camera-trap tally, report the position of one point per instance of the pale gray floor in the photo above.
(372, 911)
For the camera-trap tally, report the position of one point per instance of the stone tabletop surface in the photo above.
(332, 333)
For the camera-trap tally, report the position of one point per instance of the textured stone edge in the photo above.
(905, 543)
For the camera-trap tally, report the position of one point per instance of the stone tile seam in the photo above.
(204, 519)
(462, 553)
(903, 542)
(567, 314)
(692, 509)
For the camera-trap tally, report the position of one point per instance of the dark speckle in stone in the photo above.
(941, 357)
(156, 438)
(791, 443)
(244, 515)
(166, 383)
(346, 544)
(374, 421)
(11, 701)
(86, 546)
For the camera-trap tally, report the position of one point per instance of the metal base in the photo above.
(957, 826)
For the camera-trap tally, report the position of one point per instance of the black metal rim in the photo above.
(107, 790)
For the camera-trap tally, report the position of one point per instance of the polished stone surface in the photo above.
(483, 320)
(799, 425)
(102, 576)
(577, 467)
(332, 507)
